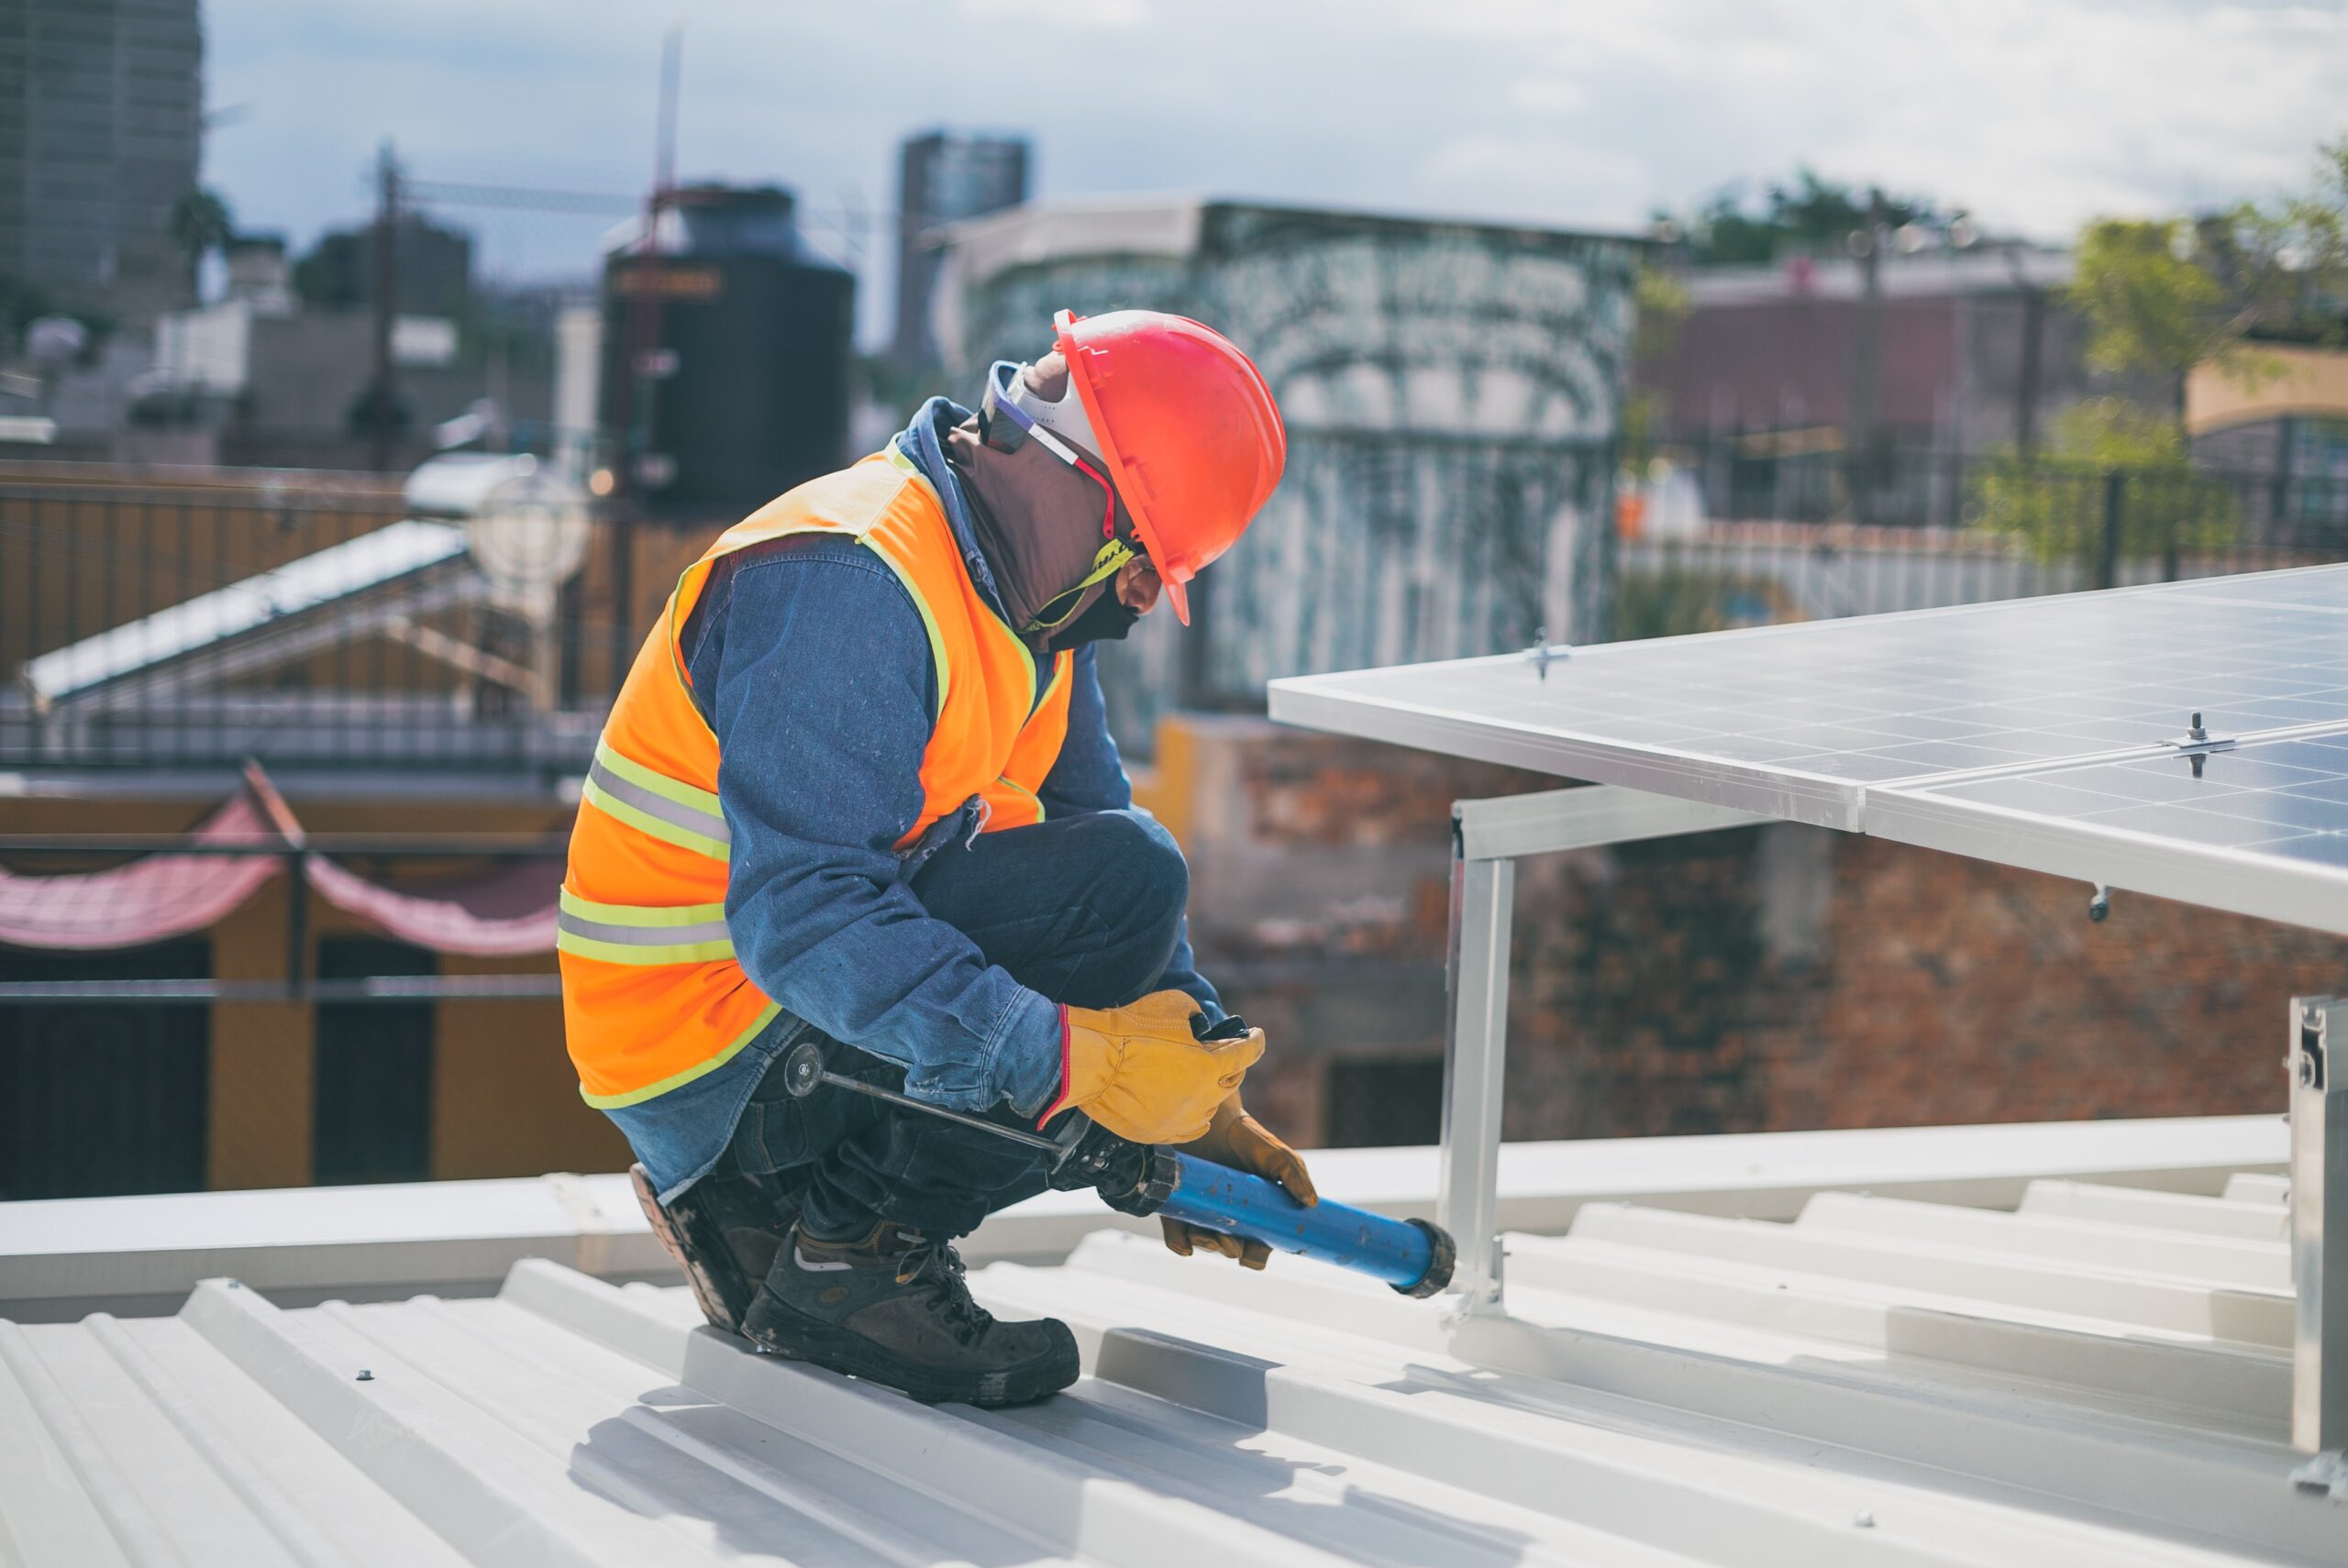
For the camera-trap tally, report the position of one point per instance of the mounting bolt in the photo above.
(1863, 1519)
(2194, 731)
(2099, 906)
(364, 1376)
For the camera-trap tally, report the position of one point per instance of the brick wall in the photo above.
(1762, 979)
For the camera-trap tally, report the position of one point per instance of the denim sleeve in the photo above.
(817, 678)
(1091, 777)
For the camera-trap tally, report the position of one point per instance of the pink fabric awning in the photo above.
(507, 910)
(510, 909)
(153, 898)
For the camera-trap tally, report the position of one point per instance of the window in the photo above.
(104, 1098)
(372, 1088)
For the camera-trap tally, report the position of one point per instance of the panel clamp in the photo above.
(2197, 742)
(1545, 653)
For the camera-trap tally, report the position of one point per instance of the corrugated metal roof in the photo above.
(2098, 1376)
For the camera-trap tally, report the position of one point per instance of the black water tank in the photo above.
(740, 336)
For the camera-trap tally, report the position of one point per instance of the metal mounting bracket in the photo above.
(2319, 1261)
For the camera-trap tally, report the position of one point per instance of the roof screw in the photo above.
(365, 1376)
(1863, 1519)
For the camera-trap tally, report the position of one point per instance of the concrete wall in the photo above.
(1451, 393)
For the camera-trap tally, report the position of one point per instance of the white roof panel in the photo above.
(2099, 1378)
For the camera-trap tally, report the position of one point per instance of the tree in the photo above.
(201, 225)
(2161, 296)
(1807, 216)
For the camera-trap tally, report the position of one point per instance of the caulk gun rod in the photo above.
(907, 1102)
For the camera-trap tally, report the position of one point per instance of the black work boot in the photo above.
(893, 1306)
(723, 1231)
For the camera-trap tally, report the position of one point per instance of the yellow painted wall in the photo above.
(2307, 381)
(504, 1100)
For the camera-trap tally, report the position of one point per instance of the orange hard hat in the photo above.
(1187, 426)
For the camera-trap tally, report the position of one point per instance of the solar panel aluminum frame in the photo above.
(2214, 876)
(1779, 794)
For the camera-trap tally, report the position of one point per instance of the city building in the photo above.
(1971, 350)
(101, 127)
(943, 178)
(279, 373)
(2288, 418)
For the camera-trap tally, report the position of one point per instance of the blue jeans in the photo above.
(1086, 910)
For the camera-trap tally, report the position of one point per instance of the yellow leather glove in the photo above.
(1139, 1071)
(1238, 1140)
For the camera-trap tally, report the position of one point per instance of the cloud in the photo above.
(2034, 113)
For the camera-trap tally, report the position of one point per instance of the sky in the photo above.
(2032, 115)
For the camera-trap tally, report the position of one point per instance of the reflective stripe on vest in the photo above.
(641, 933)
(670, 810)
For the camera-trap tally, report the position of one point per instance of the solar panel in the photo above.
(2261, 829)
(313, 584)
(1802, 721)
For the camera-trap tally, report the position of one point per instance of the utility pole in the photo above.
(641, 341)
(383, 392)
(1867, 358)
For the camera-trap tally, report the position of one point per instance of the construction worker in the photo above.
(859, 787)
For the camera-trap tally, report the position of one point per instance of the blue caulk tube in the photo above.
(1411, 1255)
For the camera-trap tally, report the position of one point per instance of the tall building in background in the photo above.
(942, 178)
(101, 128)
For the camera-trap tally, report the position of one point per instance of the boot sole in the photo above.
(707, 1293)
(794, 1336)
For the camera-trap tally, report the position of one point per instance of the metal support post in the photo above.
(1487, 839)
(2320, 1262)
(1475, 1060)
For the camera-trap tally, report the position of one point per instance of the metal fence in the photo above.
(302, 620)
(1723, 537)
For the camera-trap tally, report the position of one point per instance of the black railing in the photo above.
(305, 621)
(1731, 536)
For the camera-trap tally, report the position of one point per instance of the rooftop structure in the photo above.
(1725, 1350)
(1451, 390)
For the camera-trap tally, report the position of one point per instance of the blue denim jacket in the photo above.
(812, 665)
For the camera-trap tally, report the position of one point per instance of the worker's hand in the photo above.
(1236, 1140)
(1142, 1073)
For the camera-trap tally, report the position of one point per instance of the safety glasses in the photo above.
(1005, 425)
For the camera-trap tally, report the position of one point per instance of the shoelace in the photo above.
(942, 1267)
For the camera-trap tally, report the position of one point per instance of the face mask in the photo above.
(1105, 620)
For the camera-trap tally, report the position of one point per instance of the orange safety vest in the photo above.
(652, 996)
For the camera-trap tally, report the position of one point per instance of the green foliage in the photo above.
(2150, 304)
(200, 224)
(1807, 218)
(2162, 296)
(1675, 600)
(1663, 304)
(2057, 507)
